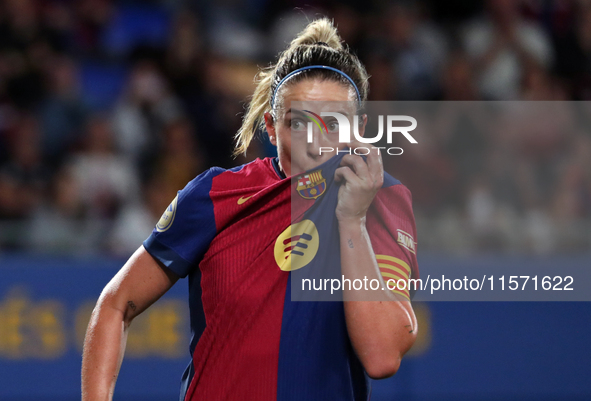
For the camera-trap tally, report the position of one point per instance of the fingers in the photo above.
(375, 167)
(371, 169)
(357, 164)
(345, 174)
(353, 180)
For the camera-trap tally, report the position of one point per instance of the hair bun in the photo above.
(318, 31)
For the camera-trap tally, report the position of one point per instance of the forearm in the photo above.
(104, 347)
(382, 325)
(134, 288)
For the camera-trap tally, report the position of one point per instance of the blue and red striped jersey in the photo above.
(241, 238)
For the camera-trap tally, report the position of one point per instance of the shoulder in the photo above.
(394, 202)
(394, 190)
(390, 181)
(391, 224)
(255, 173)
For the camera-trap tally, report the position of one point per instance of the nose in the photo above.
(318, 140)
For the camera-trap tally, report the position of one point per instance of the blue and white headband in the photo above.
(310, 67)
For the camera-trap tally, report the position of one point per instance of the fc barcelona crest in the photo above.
(311, 186)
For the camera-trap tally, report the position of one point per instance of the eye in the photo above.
(333, 126)
(297, 124)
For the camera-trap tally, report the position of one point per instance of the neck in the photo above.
(283, 170)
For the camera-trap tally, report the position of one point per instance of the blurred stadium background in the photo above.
(107, 108)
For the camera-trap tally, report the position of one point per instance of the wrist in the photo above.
(351, 222)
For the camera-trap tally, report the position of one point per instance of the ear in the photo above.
(270, 126)
(362, 125)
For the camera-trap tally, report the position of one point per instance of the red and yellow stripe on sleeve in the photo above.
(395, 269)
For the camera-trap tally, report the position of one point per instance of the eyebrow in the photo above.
(343, 113)
(296, 111)
(300, 112)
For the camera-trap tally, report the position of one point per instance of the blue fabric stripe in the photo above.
(389, 181)
(316, 358)
(198, 325)
(181, 246)
(167, 256)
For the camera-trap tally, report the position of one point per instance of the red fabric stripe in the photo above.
(382, 270)
(395, 264)
(243, 293)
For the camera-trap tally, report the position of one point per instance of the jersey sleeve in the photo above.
(392, 230)
(187, 227)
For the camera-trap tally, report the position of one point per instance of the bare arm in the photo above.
(139, 283)
(383, 328)
(382, 325)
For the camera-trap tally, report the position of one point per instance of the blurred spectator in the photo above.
(383, 85)
(184, 58)
(286, 27)
(58, 18)
(501, 44)
(90, 21)
(573, 52)
(419, 51)
(143, 111)
(458, 79)
(107, 180)
(227, 83)
(24, 176)
(62, 112)
(571, 202)
(62, 223)
(180, 159)
(539, 85)
(24, 48)
(230, 34)
(503, 177)
(136, 221)
(482, 216)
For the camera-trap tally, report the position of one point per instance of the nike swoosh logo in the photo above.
(243, 199)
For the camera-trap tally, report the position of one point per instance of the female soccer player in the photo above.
(232, 233)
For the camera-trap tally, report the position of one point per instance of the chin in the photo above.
(309, 165)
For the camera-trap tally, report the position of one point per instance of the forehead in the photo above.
(317, 90)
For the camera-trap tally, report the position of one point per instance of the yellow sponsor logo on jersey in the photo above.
(296, 246)
(168, 217)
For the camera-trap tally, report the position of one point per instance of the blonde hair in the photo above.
(318, 44)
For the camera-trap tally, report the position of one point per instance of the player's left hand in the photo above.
(360, 181)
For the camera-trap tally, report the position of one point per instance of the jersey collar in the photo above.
(275, 162)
